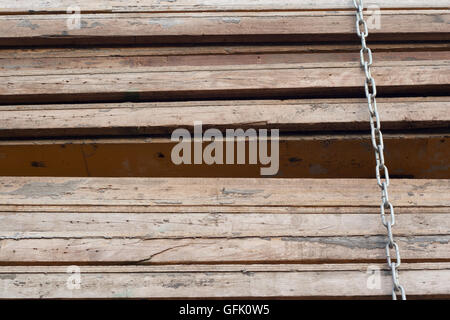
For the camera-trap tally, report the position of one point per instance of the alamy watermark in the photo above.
(373, 277)
(73, 281)
(74, 20)
(213, 153)
(373, 17)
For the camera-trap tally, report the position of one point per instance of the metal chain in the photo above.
(381, 170)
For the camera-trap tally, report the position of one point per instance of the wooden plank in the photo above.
(300, 156)
(278, 27)
(430, 59)
(171, 208)
(286, 249)
(346, 280)
(162, 118)
(218, 192)
(181, 268)
(132, 60)
(191, 82)
(17, 6)
(67, 225)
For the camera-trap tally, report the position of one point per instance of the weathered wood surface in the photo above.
(26, 62)
(204, 237)
(301, 156)
(199, 281)
(42, 6)
(171, 238)
(200, 248)
(190, 82)
(115, 224)
(157, 193)
(220, 250)
(129, 28)
(153, 73)
(164, 117)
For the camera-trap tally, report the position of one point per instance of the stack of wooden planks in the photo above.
(86, 116)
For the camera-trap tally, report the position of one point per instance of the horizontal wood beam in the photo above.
(115, 119)
(71, 225)
(129, 28)
(158, 193)
(286, 249)
(308, 156)
(199, 281)
(42, 6)
(45, 62)
(190, 82)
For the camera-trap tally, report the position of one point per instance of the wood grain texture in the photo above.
(220, 250)
(300, 156)
(170, 238)
(204, 238)
(221, 192)
(197, 281)
(164, 117)
(129, 28)
(189, 82)
(39, 6)
(42, 62)
(160, 225)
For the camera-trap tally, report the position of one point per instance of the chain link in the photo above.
(381, 171)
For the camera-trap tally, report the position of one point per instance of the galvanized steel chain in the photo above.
(381, 171)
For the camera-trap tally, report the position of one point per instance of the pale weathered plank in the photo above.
(207, 244)
(163, 118)
(93, 238)
(180, 268)
(8, 6)
(197, 281)
(223, 192)
(219, 27)
(285, 249)
(225, 81)
(36, 225)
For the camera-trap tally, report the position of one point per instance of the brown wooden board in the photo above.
(206, 27)
(189, 82)
(307, 156)
(116, 119)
